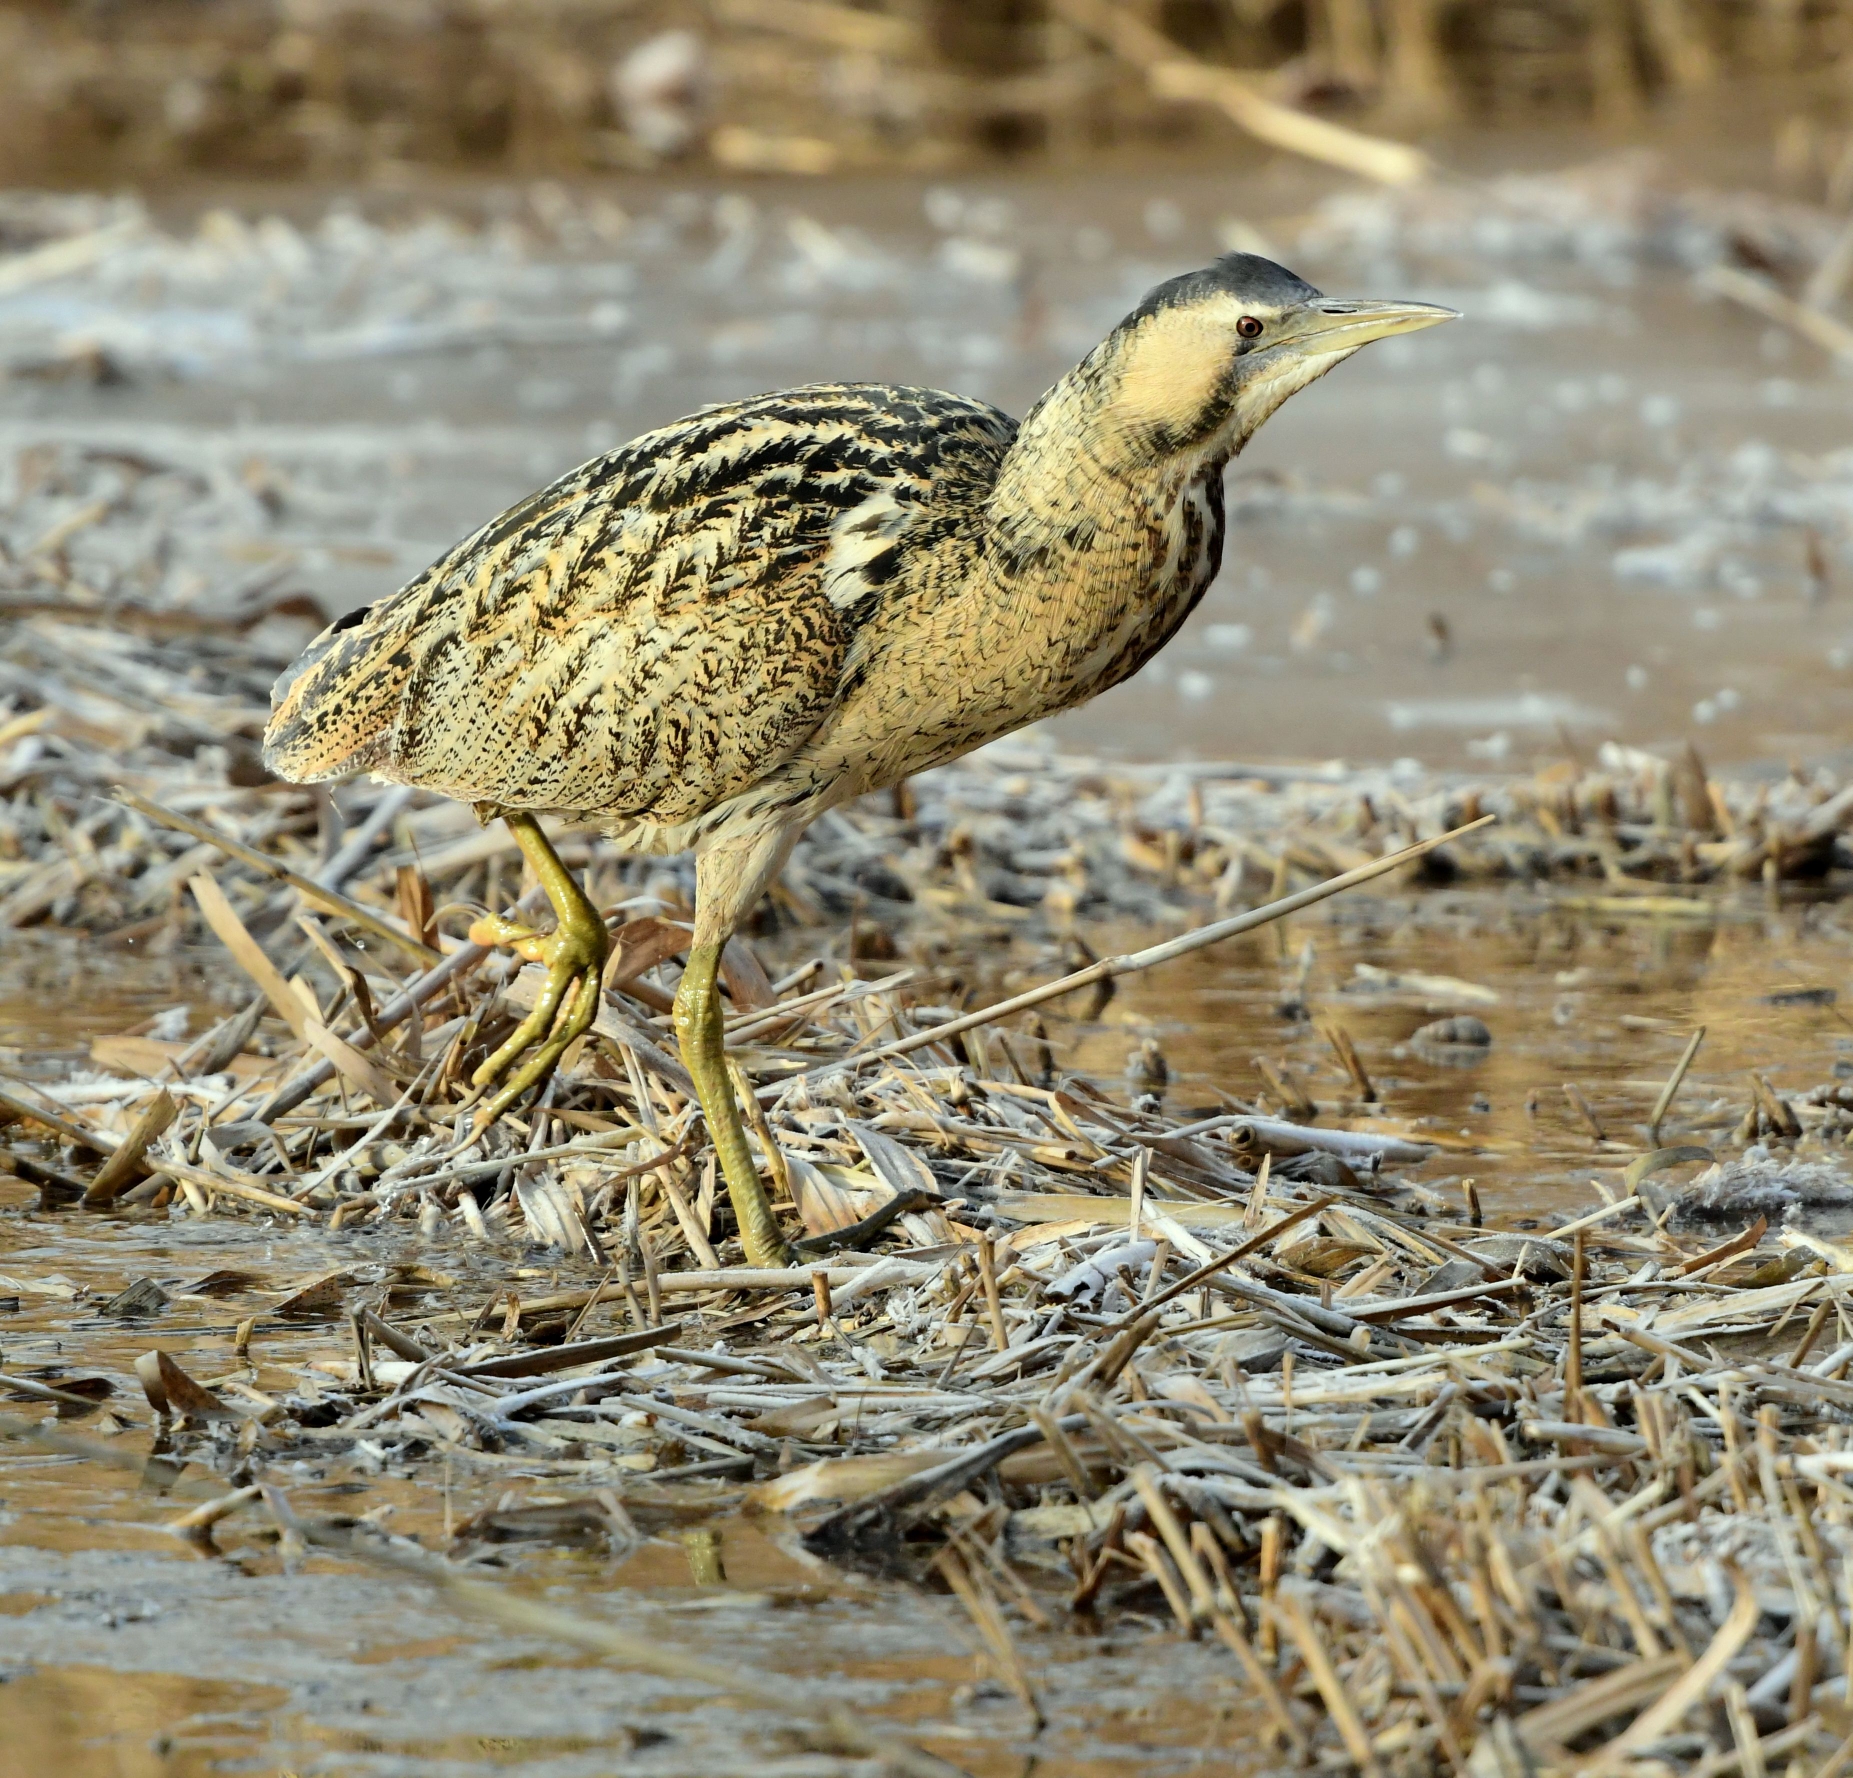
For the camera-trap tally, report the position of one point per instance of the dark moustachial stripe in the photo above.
(777, 599)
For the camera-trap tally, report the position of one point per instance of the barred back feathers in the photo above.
(734, 621)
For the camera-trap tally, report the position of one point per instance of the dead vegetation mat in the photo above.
(1451, 1496)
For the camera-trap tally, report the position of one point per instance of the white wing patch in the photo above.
(857, 538)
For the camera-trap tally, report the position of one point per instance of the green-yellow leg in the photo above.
(698, 1034)
(574, 953)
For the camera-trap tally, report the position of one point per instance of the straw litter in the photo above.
(1450, 1495)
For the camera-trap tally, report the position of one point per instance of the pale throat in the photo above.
(1108, 531)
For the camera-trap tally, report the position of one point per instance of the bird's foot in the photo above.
(498, 932)
(574, 954)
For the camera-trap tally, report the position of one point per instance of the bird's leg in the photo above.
(698, 1035)
(574, 953)
(730, 875)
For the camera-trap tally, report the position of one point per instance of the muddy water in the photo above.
(125, 1652)
(58, 991)
(1584, 512)
(1604, 1001)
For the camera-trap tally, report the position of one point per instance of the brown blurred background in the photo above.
(106, 91)
(392, 265)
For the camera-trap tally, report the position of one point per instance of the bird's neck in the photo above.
(1090, 510)
(1088, 552)
(1084, 476)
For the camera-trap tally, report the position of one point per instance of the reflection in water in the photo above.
(1603, 1004)
(58, 990)
(703, 1545)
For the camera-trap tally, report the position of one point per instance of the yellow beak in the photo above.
(1334, 325)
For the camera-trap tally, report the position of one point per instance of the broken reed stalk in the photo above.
(1664, 1103)
(1107, 968)
(993, 1303)
(1579, 1103)
(1288, 1611)
(964, 1575)
(390, 1016)
(1346, 1051)
(1573, 1364)
(24, 1100)
(329, 900)
(1208, 1270)
(118, 1173)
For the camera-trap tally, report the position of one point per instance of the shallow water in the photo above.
(125, 1652)
(1605, 1002)
(1574, 985)
(1593, 509)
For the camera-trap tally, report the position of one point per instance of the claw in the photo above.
(497, 932)
(574, 1019)
(574, 954)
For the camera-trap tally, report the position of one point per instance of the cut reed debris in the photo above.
(1445, 1494)
(1450, 1497)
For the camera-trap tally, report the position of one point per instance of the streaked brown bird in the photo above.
(707, 637)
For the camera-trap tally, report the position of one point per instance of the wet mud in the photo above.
(1607, 507)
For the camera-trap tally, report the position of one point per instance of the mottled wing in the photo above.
(651, 634)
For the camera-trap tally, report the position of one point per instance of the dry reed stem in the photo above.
(1450, 1488)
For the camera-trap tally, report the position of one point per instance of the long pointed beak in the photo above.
(1333, 325)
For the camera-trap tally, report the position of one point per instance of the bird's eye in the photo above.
(1248, 327)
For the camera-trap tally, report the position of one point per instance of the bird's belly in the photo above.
(953, 672)
(939, 703)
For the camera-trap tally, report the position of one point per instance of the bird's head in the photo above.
(1207, 357)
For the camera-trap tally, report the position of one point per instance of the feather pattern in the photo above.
(658, 629)
(714, 632)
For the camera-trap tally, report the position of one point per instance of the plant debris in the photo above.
(1450, 1495)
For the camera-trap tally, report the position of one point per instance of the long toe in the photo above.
(565, 1009)
(532, 1029)
(571, 1015)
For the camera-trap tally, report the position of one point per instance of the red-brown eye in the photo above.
(1248, 327)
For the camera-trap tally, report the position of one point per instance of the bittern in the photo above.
(705, 638)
